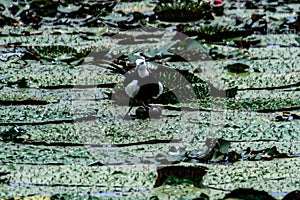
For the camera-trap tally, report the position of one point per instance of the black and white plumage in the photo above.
(154, 83)
(141, 84)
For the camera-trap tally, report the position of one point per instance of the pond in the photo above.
(230, 108)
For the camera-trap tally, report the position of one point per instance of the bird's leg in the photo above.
(145, 106)
(131, 106)
(127, 113)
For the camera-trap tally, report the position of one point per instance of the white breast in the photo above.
(132, 88)
(142, 68)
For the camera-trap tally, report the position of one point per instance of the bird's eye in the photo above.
(140, 62)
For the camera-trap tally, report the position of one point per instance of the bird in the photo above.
(141, 85)
(151, 82)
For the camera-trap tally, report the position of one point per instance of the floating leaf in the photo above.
(237, 67)
(11, 134)
(3, 77)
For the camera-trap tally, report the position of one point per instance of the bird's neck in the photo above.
(143, 72)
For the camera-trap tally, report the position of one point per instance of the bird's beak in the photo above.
(149, 70)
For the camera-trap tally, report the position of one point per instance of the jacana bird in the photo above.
(151, 82)
(141, 85)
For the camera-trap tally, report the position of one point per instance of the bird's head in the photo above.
(140, 61)
(142, 68)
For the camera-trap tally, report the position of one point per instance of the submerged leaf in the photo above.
(248, 194)
(184, 11)
(179, 174)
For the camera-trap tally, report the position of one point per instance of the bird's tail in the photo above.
(116, 69)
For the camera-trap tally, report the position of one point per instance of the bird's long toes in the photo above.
(127, 117)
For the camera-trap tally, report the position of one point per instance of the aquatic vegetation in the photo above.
(214, 33)
(183, 11)
(63, 134)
